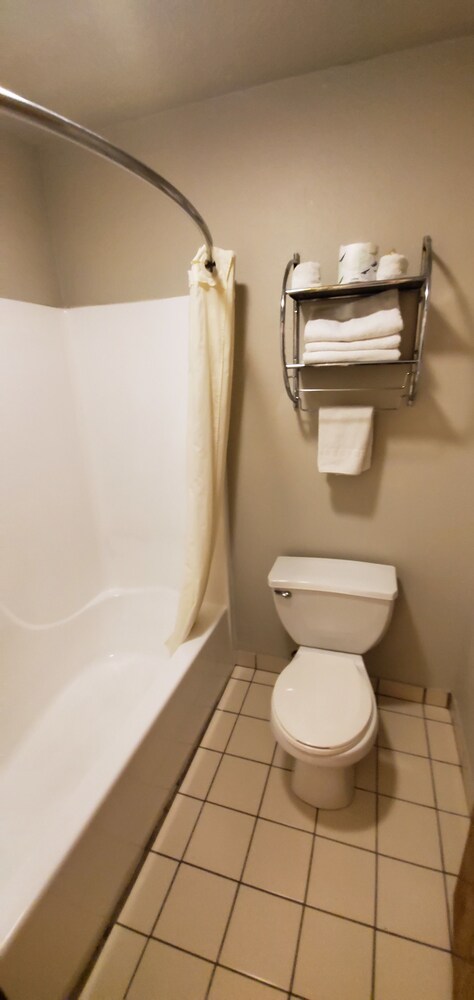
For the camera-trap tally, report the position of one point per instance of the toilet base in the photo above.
(323, 787)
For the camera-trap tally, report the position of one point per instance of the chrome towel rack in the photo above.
(293, 370)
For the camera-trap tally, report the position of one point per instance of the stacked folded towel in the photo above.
(373, 337)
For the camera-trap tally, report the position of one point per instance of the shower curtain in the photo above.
(211, 344)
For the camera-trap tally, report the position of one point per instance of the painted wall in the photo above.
(381, 150)
(27, 269)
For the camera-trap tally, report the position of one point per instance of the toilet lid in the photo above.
(324, 699)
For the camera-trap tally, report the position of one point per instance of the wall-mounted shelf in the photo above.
(297, 297)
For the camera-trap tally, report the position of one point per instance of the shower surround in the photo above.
(95, 713)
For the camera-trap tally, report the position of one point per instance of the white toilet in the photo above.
(324, 712)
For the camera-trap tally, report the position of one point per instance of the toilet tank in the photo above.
(333, 603)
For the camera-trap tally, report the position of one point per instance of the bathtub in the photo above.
(98, 722)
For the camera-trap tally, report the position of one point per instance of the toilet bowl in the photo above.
(323, 710)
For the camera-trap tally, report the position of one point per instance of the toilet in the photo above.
(323, 711)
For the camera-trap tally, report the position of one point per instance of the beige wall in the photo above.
(378, 150)
(27, 270)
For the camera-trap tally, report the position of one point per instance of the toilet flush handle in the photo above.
(283, 593)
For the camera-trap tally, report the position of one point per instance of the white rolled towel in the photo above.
(379, 324)
(345, 357)
(392, 265)
(357, 262)
(374, 344)
(306, 275)
(345, 439)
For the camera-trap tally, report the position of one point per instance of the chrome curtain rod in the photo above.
(48, 120)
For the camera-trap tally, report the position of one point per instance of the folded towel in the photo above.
(374, 344)
(350, 307)
(345, 439)
(345, 357)
(306, 275)
(384, 323)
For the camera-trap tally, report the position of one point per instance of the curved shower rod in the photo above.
(48, 120)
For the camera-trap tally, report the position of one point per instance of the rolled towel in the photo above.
(345, 357)
(357, 262)
(380, 324)
(374, 344)
(392, 265)
(306, 275)
(345, 439)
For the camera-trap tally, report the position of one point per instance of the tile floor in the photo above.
(249, 894)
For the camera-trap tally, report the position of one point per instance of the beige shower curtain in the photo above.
(211, 343)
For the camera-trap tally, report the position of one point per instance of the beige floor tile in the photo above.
(451, 882)
(353, 825)
(405, 692)
(115, 966)
(196, 911)
(405, 777)
(257, 702)
(365, 772)
(402, 732)
(334, 959)
(454, 831)
(342, 880)
(218, 731)
(220, 841)
(262, 935)
(282, 759)
(411, 902)
(231, 986)
(409, 970)
(167, 974)
(449, 787)
(176, 830)
(239, 784)
(243, 673)
(282, 805)
(397, 705)
(265, 677)
(144, 901)
(437, 714)
(234, 695)
(408, 832)
(200, 774)
(442, 742)
(252, 738)
(279, 860)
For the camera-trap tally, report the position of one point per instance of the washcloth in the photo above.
(374, 344)
(306, 275)
(345, 357)
(345, 439)
(384, 323)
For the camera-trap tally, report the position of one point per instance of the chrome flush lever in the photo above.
(283, 593)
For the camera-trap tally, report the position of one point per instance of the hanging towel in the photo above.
(384, 323)
(306, 275)
(345, 357)
(375, 344)
(345, 439)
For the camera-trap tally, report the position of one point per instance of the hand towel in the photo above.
(384, 323)
(392, 265)
(345, 357)
(357, 262)
(374, 344)
(345, 439)
(306, 275)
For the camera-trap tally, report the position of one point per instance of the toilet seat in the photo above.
(323, 701)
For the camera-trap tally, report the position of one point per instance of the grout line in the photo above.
(305, 904)
(438, 824)
(376, 885)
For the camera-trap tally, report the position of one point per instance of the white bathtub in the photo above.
(98, 722)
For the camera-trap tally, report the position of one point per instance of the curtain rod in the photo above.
(50, 121)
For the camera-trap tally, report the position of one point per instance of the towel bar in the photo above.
(292, 370)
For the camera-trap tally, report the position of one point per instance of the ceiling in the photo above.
(100, 61)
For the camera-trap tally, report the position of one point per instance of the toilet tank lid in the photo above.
(334, 576)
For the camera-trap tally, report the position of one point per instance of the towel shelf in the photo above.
(294, 370)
